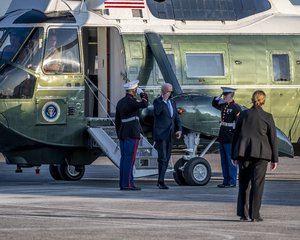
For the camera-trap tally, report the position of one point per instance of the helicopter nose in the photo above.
(285, 147)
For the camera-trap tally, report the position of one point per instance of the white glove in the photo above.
(139, 91)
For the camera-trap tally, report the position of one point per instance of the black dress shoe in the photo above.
(222, 185)
(259, 219)
(162, 185)
(230, 186)
(134, 188)
(243, 219)
(125, 188)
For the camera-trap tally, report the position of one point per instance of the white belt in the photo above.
(130, 119)
(227, 124)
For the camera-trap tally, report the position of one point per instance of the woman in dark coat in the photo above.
(254, 145)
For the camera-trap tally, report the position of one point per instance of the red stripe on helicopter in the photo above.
(124, 4)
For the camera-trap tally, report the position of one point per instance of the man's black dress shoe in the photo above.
(230, 186)
(226, 185)
(259, 219)
(243, 219)
(134, 188)
(162, 185)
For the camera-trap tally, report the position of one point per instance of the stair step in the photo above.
(146, 158)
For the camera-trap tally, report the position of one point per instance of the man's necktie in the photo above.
(170, 108)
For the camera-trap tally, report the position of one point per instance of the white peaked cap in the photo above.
(131, 85)
(228, 90)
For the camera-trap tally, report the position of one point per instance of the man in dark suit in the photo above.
(166, 123)
(254, 145)
(128, 130)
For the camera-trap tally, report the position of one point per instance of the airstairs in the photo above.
(105, 137)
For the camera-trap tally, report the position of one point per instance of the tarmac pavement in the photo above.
(38, 207)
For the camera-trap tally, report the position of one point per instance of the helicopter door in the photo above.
(89, 36)
(104, 64)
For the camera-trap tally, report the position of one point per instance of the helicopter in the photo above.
(64, 63)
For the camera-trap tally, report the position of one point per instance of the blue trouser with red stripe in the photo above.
(228, 169)
(128, 148)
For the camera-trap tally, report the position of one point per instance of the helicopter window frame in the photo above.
(285, 66)
(59, 68)
(30, 56)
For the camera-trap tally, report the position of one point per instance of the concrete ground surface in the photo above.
(38, 207)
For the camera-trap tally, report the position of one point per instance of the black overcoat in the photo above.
(255, 136)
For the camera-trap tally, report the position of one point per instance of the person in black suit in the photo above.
(254, 145)
(166, 123)
(128, 129)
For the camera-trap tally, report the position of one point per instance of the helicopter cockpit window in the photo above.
(281, 67)
(30, 54)
(61, 52)
(16, 83)
(204, 65)
(11, 41)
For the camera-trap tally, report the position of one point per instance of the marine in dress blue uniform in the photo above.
(128, 130)
(230, 112)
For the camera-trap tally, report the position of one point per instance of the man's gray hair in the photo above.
(165, 86)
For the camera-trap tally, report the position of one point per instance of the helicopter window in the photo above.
(11, 42)
(62, 52)
(281, 67)
(295, 2)
(205, 65)
(16, 83)
(207, 10)
(30, 54)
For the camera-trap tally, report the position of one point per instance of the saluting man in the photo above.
(166, 124)
(230, 112)
(128, 130)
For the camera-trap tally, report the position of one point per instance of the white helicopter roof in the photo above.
(137, 16)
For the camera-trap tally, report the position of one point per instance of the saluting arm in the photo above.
(140, 103)
(216, 103)
(158, 107)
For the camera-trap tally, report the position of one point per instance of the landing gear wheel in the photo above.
(178, 174)
(71, 172)
(54, 172)
(197, 172)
